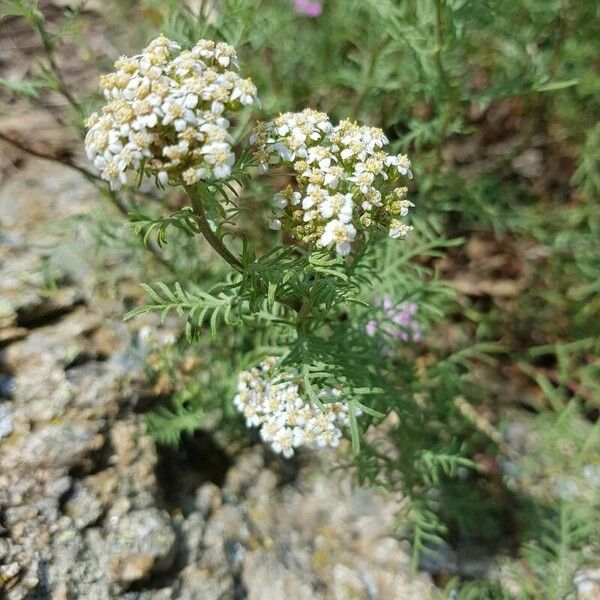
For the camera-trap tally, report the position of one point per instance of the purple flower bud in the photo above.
(398, 322)
(310, 8)
(371, 328)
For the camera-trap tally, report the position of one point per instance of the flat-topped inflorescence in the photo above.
(345, 180)
(271, 400)
(166, 110)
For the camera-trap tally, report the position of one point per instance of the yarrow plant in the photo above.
(167, 116)
(306, 312)
(340, 305)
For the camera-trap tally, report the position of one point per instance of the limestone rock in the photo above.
(265, 576)
(84, 505)
(139, 543)
(6, 419)
(61, 445)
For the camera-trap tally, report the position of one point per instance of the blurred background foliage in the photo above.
(498, 105)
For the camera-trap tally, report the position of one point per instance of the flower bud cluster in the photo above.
(271, 400)
(345, 180)
(399, 322)
(165, 110)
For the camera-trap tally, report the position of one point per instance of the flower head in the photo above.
(345, 181)
(271, 400)
(166, 110)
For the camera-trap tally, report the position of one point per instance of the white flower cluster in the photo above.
(345, 180)
(271, 401)
(165, 109)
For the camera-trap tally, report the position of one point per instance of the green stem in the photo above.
(438, 42)
(304, 311)
(210, 236)
(366, 79)
(444, 84)
(48, 47)
(217, 244)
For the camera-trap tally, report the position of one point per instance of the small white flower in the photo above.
(338, 233)
(280, 201)
(399, 229)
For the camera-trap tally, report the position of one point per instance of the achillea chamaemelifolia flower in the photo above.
(271, 400)
(167, 111)
(346, 183)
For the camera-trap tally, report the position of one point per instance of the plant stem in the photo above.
(443, 82)
(92, 178)
(48, 47)
(366, 78)
(439, 41)
(219, 246)
(207, 232)
(63, 161)
(304, 311)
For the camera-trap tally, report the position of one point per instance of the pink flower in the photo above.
(310, 8)
(398, 322)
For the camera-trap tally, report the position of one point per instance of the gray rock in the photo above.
(42, 192)
(587, 583)
(265, 576)
(61, 445)
(197, 582)
(208, 499)
(191, 533)
(6, 419)
(9, 571)
(78, 483)
(163, 594)
(140, 543)
(57, 488)
(84, 506)
(7, 385)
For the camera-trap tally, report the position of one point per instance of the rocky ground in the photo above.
(91, 509)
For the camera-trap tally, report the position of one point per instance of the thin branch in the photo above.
(219, 246)
(92, 178)
(439, 41)
(59, 159)
(49, 52)
(208, 233)
(572, 385)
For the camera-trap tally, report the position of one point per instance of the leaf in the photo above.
(369, 411)
(552, 86)
(22, 8)
(354, 434)
(24, 88)
(197, 305)
(149, 227)
(271, 291)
